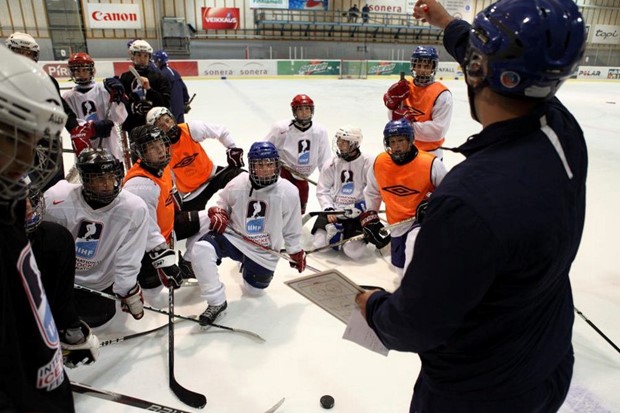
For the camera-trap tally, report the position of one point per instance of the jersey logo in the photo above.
(87, 241)
(55, 202)
(51, 374)
(186, 161)
(89, 110)
(346, 178)
(255, 217)
(303, 152)
(400, 190)
(413, 111)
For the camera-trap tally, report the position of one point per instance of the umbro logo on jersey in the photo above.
(58, 202)
(188, 160)
(400, 190)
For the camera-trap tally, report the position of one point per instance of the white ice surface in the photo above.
(304, 356)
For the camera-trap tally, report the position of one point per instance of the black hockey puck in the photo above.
(327, 402)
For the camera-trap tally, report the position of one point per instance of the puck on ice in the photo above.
(327, 402)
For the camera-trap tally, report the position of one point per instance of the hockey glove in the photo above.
(81, 136)
(141, 107)
(299, 260)
(133, 302)
(373, 229)
(79, 346)
(234, 156)
(407, 112)
(354, 210)
(396, 94)
(116, 89)
(164, 261)
(103, 128)
(219, 219)
(420, 211)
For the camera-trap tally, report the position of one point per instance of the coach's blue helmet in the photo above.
(261, 153)
(525, 47)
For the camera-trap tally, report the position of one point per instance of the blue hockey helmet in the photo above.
(263, 154)
(400, 128)
(160, 57)
(424, 55)
(525, 47)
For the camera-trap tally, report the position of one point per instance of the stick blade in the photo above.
(187, 396)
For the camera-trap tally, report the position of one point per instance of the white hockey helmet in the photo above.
(24, 44)
(31, 120)
(157, 112)
(351, 134)
(140, 46)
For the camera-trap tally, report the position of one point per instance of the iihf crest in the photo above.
(303, 152)
(346, 177)
(255, 217)
(87, 240)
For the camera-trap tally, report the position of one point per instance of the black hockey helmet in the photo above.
(101, 174)
(151, 145)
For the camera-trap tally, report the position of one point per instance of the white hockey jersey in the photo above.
(342, 183)
(303, 152)
(92, 105)
(270, 216)
(109, 242)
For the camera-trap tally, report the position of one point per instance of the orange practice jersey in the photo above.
(165, 204)
(421, 100)
(190, 163)
(403, 187)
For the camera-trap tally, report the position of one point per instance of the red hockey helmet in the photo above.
(81, 61)
(302, 100)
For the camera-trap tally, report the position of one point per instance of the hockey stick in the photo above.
(597, 329)
(122, 399)
(238, 234)
(297, 176)
(276, 406)
(130, 336)
(384, 232)
(340, 212)
(185, 395)
(160, 311)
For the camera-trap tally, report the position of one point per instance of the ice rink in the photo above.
(304, 356)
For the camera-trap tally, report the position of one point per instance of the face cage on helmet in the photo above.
(141, 150)
(89, 66)
(422, 80)
(37, 204)
(266, 181)
(47, 154)
(103, 197)
(353, 146)
(397, 157)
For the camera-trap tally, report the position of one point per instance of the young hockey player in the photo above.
(54, 250)
(110, 228)
(98, 107)
(31, 119)
(25, 45)
(425, 103)
(487, 301)
(196, 177)
(179, 97)
(262, 208)
(303, 145)
(152, 89)
(403, 178)
(150, 178)
(341, 187)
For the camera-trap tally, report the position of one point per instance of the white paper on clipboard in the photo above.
(331, 290)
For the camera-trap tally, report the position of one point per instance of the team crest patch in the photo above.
(346, 177)
(255, 217)
(303, 152)
(87, 241)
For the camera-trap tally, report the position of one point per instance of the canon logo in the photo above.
(114, 17)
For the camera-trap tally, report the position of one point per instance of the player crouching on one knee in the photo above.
(402, 177)
(266, 211)
(341, 188)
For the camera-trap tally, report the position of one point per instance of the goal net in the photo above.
(353, 69)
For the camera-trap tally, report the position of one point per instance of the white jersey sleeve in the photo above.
(372, 195)
(200, 131)
(109, 241)
(438, 172)
(436, 128)
(148, 191)
(270, 216)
